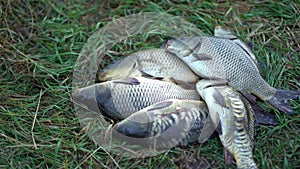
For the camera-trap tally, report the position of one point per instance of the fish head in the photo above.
(98, 98)
(108, 73)
(105, 99)
(86, 97)
(178, 47)
(119, 69)
(134, 126)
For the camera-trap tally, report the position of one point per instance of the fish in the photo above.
(225, 33)
(155, 63)
(117, 99)
(222, 59)
(167, 123)
(235, 121)
(261, 116)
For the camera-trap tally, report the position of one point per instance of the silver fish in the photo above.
(224, 60)
(236, 119)
(157, 63)
(167, 123)
(120, 98)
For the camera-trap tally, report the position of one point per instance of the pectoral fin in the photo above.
(263, 117)
(203, 83)
(218, 97)
(144, 74)
(129, 81)
(228, 157)
(160, 105)
(184, 84)
(219, 129)
(202, 56)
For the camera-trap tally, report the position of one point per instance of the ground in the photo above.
(41, 40)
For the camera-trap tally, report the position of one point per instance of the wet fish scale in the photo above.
(221, 49)
(132, 98)
(226, 62)
(233, 63)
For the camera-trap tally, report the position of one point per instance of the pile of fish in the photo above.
(182, 93)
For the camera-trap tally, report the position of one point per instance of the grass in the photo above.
(41, 40)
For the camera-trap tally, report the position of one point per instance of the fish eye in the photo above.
(127, 130)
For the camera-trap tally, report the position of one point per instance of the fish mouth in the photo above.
(178, 48)
(101, 76)
(169, 43)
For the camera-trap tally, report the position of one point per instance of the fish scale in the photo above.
(221, 50)
(232, 63)
(124, 98)
(225, 63)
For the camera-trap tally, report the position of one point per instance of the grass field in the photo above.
(41, 40)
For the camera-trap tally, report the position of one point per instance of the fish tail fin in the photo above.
(263, 117)
(280, 100)
(228, 156)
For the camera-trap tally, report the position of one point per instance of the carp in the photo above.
(222, 59)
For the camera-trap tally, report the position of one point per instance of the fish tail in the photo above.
(280, 100)
(263, 117)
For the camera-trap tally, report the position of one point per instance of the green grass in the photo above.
(41, 40)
